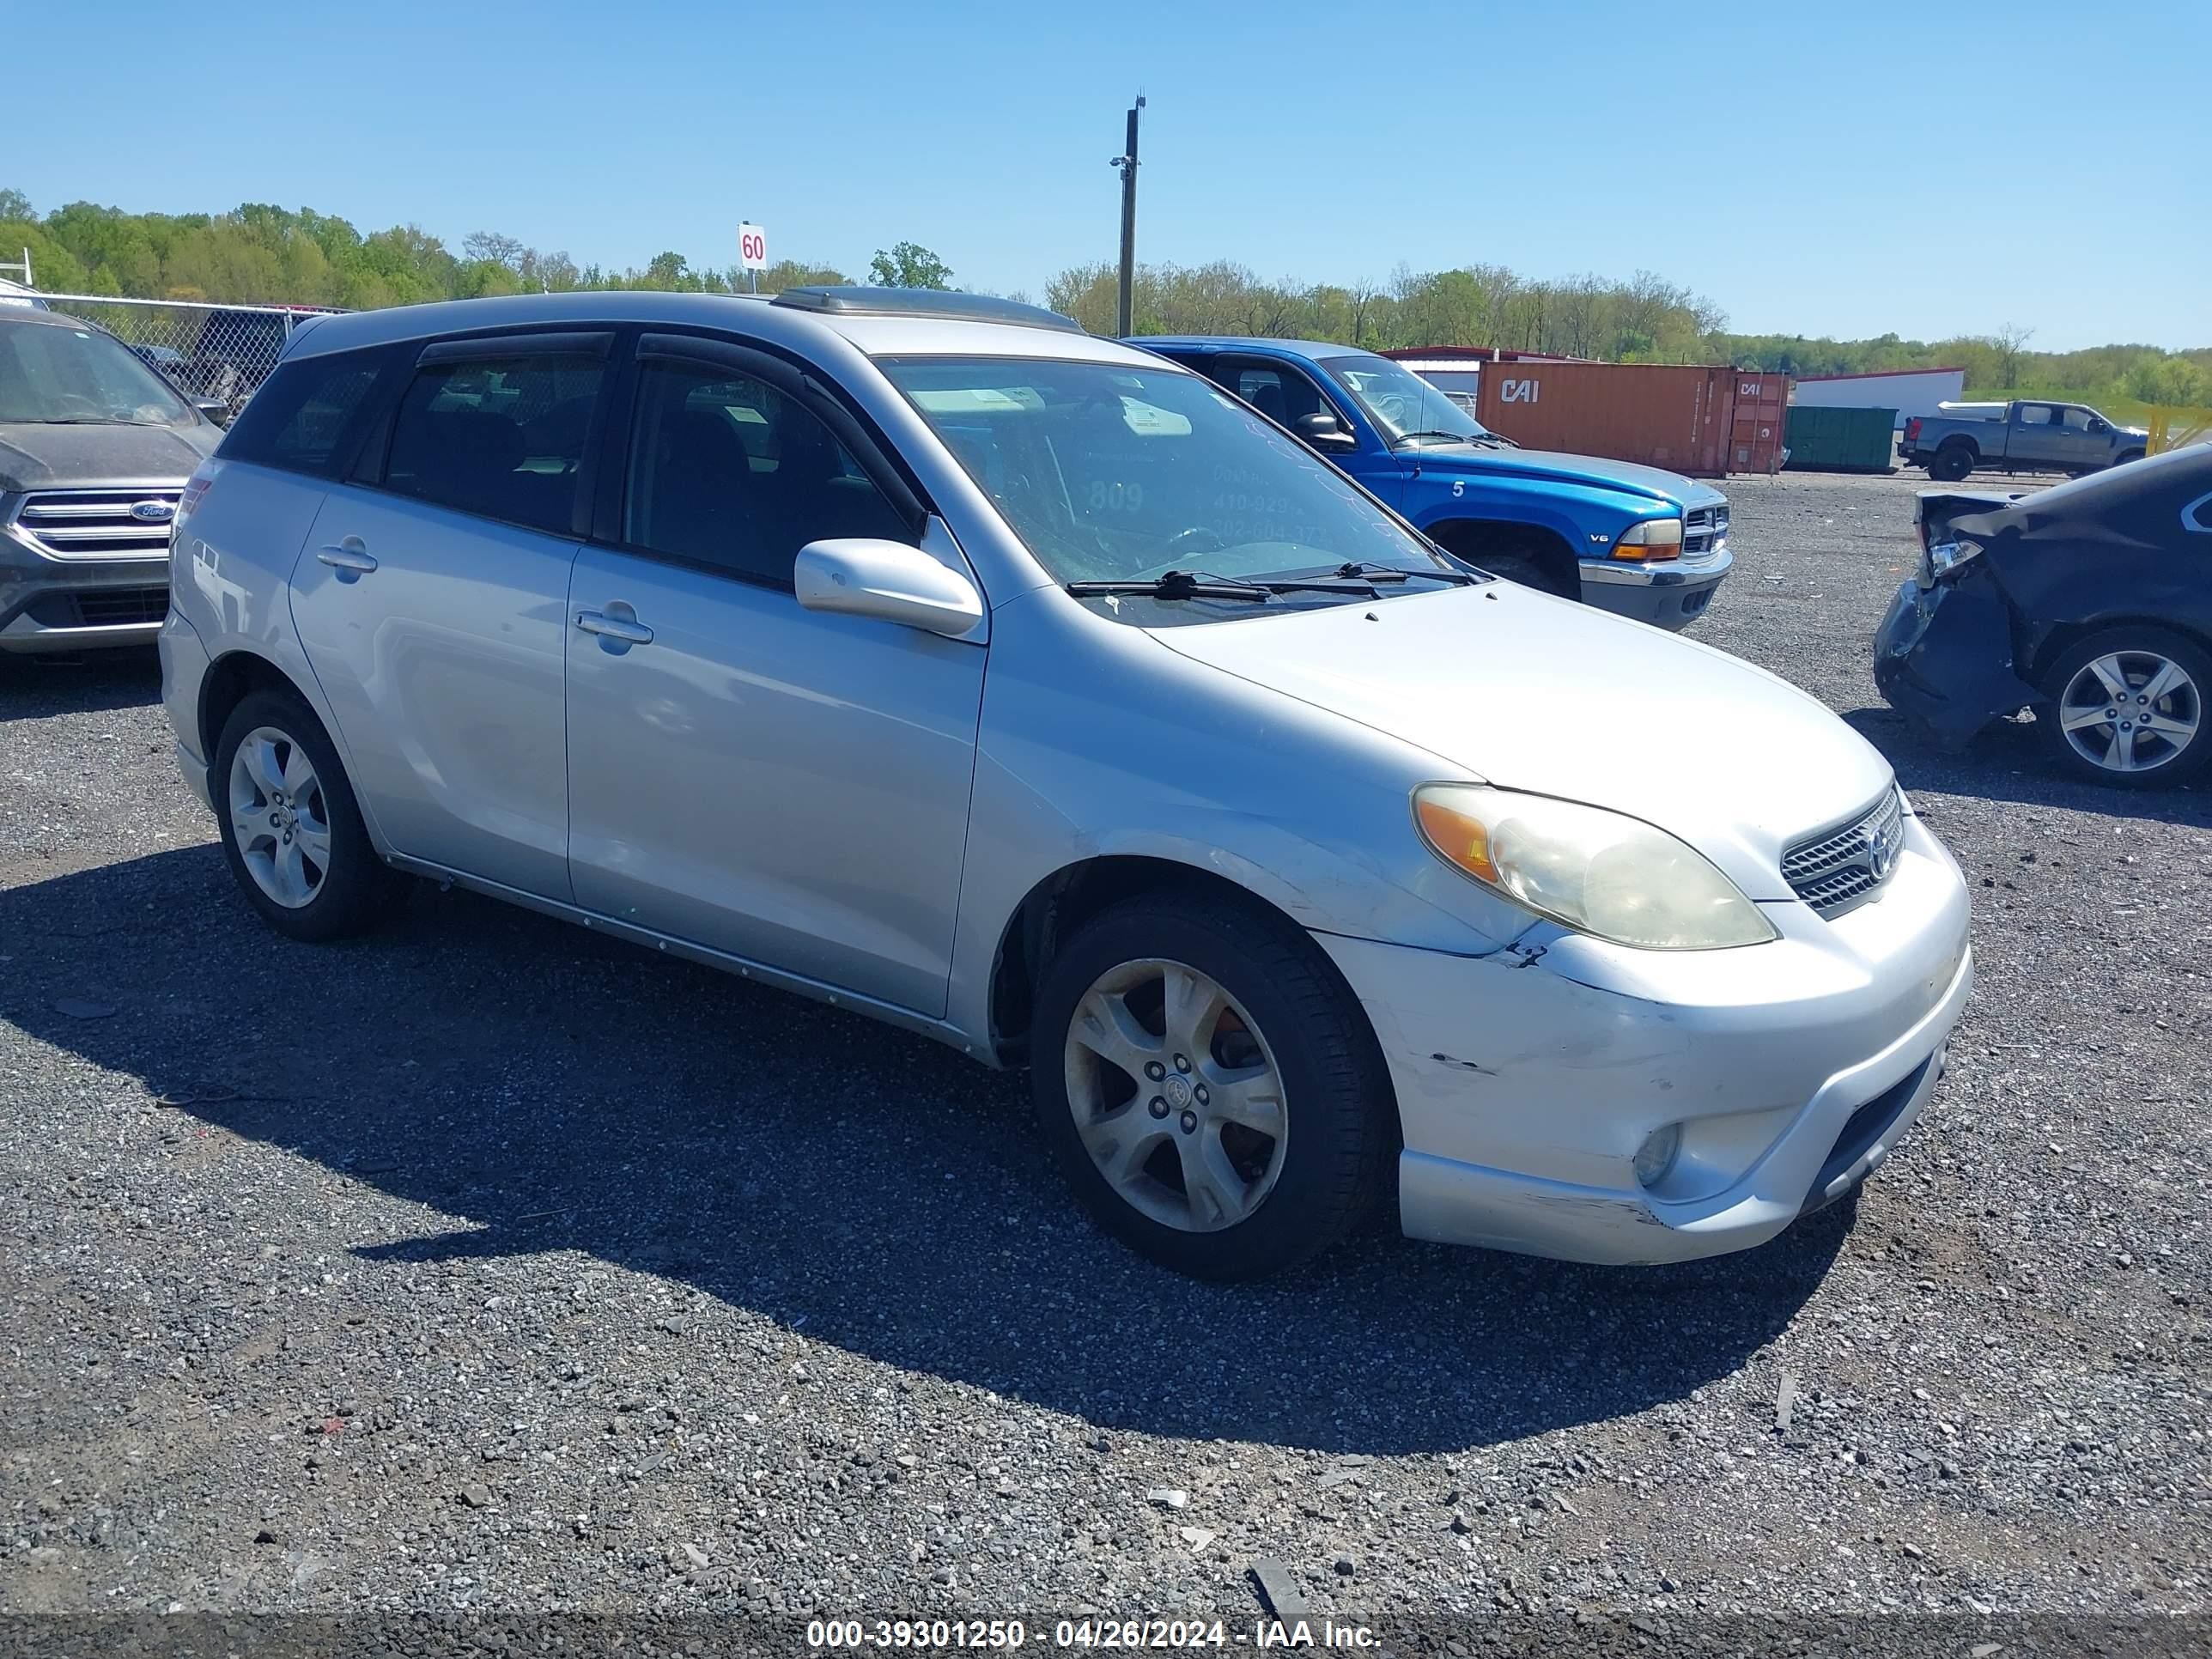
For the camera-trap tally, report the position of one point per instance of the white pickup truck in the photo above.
(2023, 436)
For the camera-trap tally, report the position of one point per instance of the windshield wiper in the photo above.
(90, 420)
(1408, 437)
(1178, 584)
(1205, 584)
(1374, 571)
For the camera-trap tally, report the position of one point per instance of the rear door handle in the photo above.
(614, 628)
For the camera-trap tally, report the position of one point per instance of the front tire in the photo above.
(1518, 563)
(2127, 708)
(2131, 455)
(292, 832)
(1209, 1087)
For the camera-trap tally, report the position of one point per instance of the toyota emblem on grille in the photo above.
(153, 512)
(1881, 852)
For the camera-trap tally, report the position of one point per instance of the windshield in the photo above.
(81, 376)
(1111, 473)
(1403, 404)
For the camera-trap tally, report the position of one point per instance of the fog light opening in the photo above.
(1655, 1157)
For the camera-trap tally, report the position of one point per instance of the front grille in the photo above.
(1704, 529)
(107, 607)
(1861, 1130)
(103, 607)
(1840, 868)
(100, 524)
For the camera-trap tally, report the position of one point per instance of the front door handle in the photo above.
(348, 555)
(624, 628)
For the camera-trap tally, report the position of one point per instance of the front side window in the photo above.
(61, 376)
(2078, 420)
(728, 470)
(1283, 395)
(500, 437)
(1111, 473)
(1409, 412)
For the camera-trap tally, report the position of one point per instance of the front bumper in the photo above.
(1526, 1081)
(52, 604)
(1943, 655)
(1670, 593)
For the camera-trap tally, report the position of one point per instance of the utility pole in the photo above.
(1127, 161)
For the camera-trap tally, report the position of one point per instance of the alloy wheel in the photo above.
(1176, 1096)
(2130, 711)
(279, 817)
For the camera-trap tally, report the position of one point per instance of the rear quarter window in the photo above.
(306, 418)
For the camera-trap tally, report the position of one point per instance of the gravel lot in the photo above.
(487, 1265)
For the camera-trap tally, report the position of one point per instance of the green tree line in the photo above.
(260, 252)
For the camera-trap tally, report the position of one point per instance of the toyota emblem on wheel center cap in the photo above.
(1177, 1092)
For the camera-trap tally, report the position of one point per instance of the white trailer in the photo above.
(1910, 391)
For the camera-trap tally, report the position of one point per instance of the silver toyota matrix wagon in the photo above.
(922, 654)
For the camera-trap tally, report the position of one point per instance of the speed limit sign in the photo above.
(752, 248)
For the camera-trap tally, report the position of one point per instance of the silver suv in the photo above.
(923, 654)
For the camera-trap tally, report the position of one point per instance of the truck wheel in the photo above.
(1953, 462)
(2127, 707)
(2125, 456)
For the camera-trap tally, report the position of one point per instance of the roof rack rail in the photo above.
(923, 302)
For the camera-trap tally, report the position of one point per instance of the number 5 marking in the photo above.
(1459, 488)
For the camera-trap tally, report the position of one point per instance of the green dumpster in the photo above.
(1823, 440)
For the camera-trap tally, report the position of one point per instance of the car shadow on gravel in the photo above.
(35, 688)
(2007, 761)
(546, 1090)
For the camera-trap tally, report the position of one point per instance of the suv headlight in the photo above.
(1599, 872)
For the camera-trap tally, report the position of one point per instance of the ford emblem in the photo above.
(153, 512)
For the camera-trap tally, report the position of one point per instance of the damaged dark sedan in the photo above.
(2090, 603)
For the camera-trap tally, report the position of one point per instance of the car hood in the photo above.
(1553, 467)
(34, 456)
(1530, 692)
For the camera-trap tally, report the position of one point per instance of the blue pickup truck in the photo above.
(1631, 539)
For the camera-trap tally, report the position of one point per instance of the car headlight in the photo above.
(1599, 872)
(1947, 555)
(1652, 539)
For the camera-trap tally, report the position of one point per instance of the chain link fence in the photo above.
(203, 350)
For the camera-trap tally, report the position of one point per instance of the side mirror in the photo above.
(215, 409)
(888, 580)
(1322, 430)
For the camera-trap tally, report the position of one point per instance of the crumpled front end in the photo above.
(1943, 656)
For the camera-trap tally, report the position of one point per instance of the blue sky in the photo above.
(1812, 168)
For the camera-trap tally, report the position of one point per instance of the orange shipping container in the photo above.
(1702, 421)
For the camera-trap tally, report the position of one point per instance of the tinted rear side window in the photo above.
(305, 419)
(500, 437)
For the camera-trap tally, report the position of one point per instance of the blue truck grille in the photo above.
(1704, 529)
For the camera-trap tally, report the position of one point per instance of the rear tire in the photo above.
(2152, 683)
(292, 832)
(1288, 1148)
(1953, 462)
